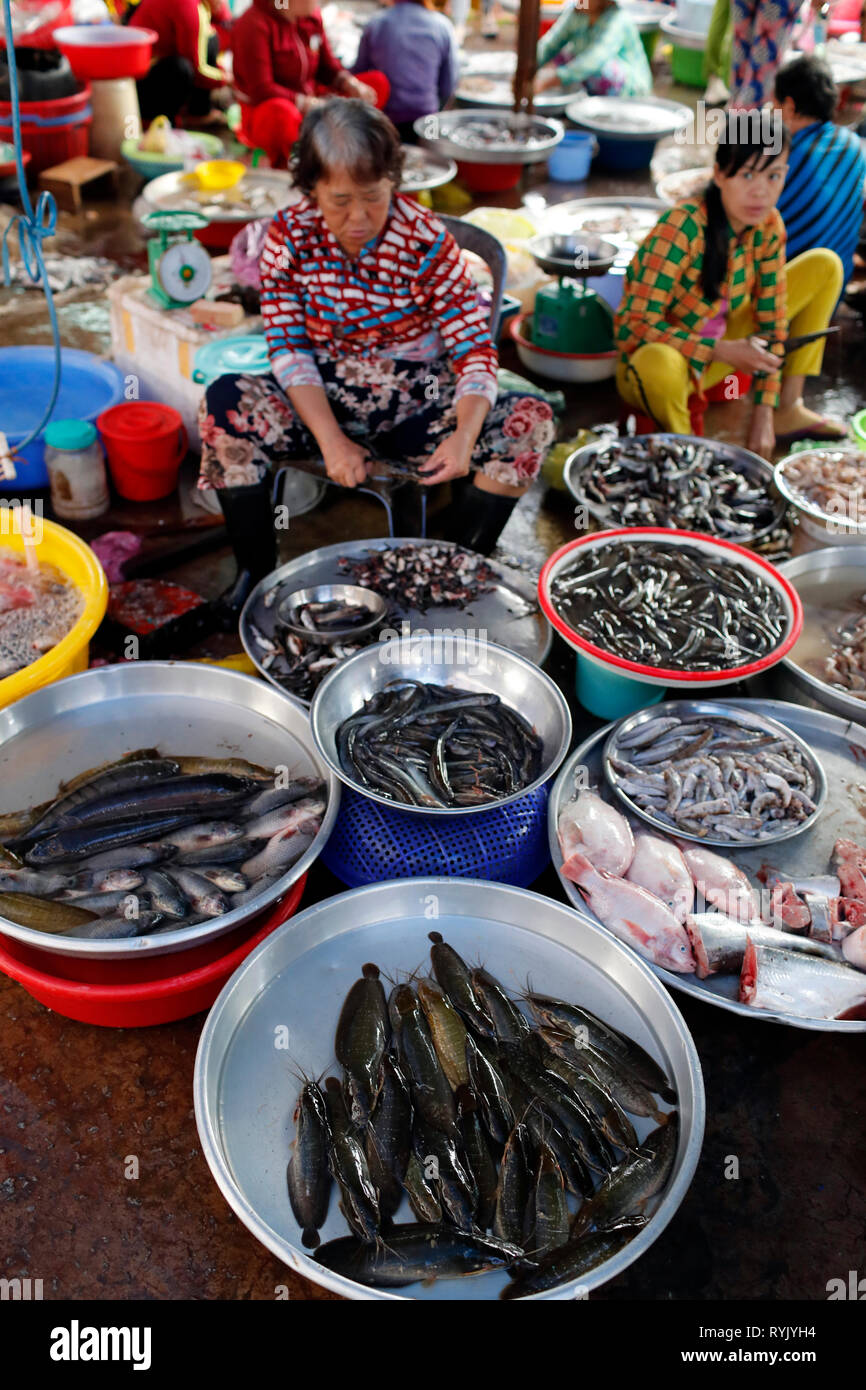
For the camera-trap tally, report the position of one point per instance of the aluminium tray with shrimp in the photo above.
(840, 746)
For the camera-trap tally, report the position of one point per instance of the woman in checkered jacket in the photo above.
(379, 348)
(708, 295)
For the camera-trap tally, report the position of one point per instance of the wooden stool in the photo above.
(65, 181)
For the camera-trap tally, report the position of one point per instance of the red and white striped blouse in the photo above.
(407, 295)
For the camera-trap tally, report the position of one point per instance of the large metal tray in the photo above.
(500, 95)
(509, 613)
(245, 1088)
(271, 190)
(178, 707)
(435, 132)
(579, 464)
(628, 119)
(822, 565)
(572, 216)
(841, 748)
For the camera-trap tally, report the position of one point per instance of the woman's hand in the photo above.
(451, 459)
(345, 461)
(306, 103)
(747, 355)
(349, 86)
(547, 79)
(762, 435)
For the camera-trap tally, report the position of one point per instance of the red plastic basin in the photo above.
(489, 178)
(142, 992)
(106, 50)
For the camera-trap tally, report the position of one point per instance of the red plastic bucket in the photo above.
(489, 178)
(145, 442)
(51, 131)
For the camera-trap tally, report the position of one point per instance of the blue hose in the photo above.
(30, 226)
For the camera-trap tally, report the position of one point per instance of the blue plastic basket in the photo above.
(371, 843)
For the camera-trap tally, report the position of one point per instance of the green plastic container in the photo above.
(649, 39)
(858, 425)
(609, 695)
(687, 66)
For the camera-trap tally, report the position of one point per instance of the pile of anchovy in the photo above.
(438, 746)
(509, 1138)
(670, 606)
(438, 575)
(153, 844)
(845, 668)
(669, 482)
(708, 775)
(484, 132)
(331, 615)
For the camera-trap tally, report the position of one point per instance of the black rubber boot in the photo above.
(476, 519)
(249, 518)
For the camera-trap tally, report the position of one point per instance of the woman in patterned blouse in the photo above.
(379, 346)
(708, 295)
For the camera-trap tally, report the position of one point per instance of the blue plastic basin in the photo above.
(87, 387)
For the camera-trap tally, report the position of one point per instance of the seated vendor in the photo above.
(379, 347)
(184, 69)
(283, 65)
(595, 45)
(414, 47)
(708, 294)
(822, 201)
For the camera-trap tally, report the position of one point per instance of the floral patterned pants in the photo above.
(762, 31)
(401, 410)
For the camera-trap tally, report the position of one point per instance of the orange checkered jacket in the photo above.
(664, 302)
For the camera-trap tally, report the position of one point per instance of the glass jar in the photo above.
(76, 470)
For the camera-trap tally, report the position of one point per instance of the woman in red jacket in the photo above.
(283, 64)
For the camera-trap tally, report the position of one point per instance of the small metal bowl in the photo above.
(820, 525)
(709, 709)
(325, 593)
(446, 657)
(573, 254)
(822, 567)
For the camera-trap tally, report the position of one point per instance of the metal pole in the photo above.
(527, 40)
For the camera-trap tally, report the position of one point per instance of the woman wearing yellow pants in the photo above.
(709, 279)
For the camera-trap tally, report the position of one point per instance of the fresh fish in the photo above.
(204, 896)
(8, 860)
(607, 1112)
(279, 853)
(166, 895)
(234, 852)
(113, 904)
(490, 1089)
(635, 916)
(308, 1175)
(546, 1131)
(575, 1259)
(431, 1093)
(118, 928)
(611, 1071)
(569, 1112)
(453, 974)
(802, 986)
(598, 831)
(719, 943)
(205, 834)
(42, 914)
(363, 1033)
(348, 1165)
(40, 885)
(232, 767)
(227, 879)
(659, 867)
(130, 857)
(285, 819)
(509, 1024)
(453, 1182)
(164, 796)
(854, 948)
(82, 841)
(547, 1218)
(416, 1252)
(585, 1029)
(103, 881)
(119, 777)
(275, 797)
(447, 1031)
(388, 1142)
(627, 1189)
(514, 1186)
(422, 1196)
(477, 1156)
(721, 883)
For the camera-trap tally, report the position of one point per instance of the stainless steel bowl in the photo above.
(821, 525)
(436, 132)
(708, 708)
(430, 169)
(464, 660)
(573, 255)
(87, 720)
(579, 464)
(821, 566)
(628, 118)
(325, 593)
(299, 977)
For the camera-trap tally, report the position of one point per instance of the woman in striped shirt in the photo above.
(708, 295)
(380, 348)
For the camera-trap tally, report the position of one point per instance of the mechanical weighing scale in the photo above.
(180, 268)
(569, 317)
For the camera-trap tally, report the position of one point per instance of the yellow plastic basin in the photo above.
(77, 561)
(215, 175)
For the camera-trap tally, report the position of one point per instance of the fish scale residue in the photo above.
(37, 609)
